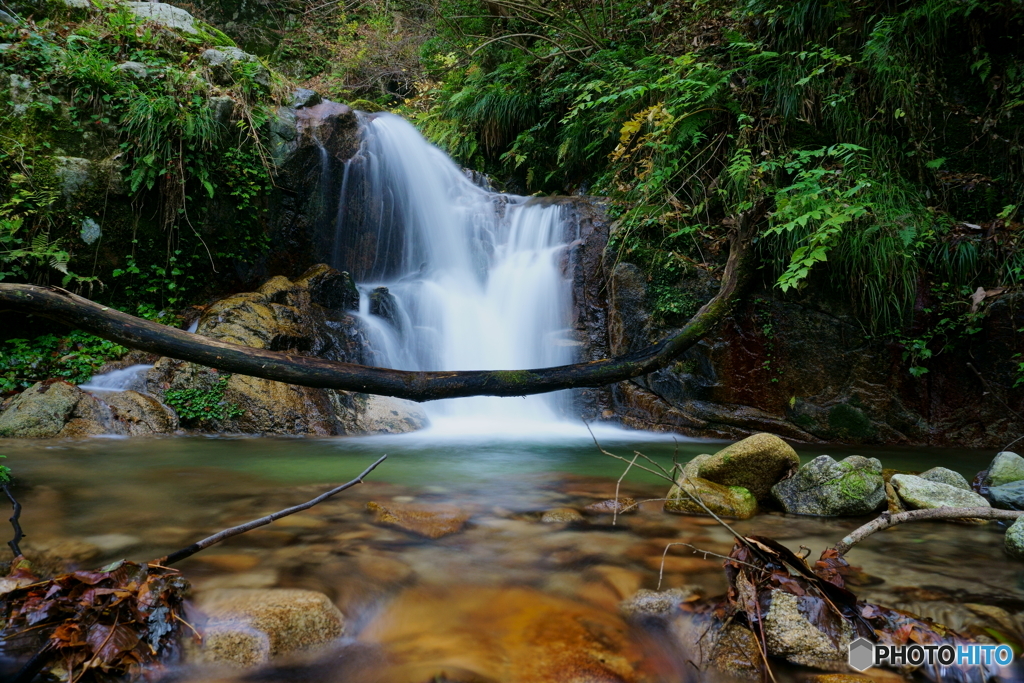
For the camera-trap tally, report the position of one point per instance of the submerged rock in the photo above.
(755, 463)
(1008, 496)
(249, 626)
(942, 475)
(432, 521)
(1006, 467)
(623, 505)
(921, 494)
(1014, 539)
(724, 501)
(648, 603)
(824, 487)
(561, 516)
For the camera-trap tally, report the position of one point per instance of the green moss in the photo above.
(513, 376)
(366, 105)
(847, 421)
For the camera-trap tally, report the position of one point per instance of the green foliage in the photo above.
(74, 357)
(5, 472)
(203, 404)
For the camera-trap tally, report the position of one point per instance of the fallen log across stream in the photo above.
(136, 333)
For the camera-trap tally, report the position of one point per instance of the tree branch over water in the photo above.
(136, 333)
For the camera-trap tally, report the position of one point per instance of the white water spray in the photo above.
(479, 285)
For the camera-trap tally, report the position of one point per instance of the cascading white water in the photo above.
(132, 377)
(479, 286)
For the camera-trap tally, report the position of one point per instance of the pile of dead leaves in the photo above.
(123, 619)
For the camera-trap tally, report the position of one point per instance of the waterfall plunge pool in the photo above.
(99, 500)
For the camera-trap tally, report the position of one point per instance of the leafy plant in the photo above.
(74, 357)
(197, 405)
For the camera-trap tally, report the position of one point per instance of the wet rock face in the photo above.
(305, 316)
(824, 487)
(802, 367)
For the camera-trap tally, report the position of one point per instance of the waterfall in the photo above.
(473, 277)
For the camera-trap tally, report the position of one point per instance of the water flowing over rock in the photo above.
(852, 486)
(920, 494)
(305, 316)
(755, 463)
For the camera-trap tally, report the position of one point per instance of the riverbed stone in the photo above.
(41, 411)
(561, 516)
(1008, 496)
(921, 494)
(789, 634)
(1006, 467)
(724, 501)
(387, 415)
(942, 475)
(1014, 540)
(623, 505)
(246, 627)
(824, 487)
(756, 463)
(430, 520)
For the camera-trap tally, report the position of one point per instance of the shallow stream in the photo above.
(103, 499)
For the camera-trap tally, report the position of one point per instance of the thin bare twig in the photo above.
(18, 535)
(886, 520)
(179, 555)
(615, 508)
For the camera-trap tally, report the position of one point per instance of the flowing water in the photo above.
(476, 283)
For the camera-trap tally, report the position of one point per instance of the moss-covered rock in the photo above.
(946, 476)
(853, 486)
(1014, 539)
(756, 463)
(42, 410)
(921, 494)
(1005, 468)
(724, 501)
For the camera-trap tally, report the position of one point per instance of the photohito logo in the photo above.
(864, 654)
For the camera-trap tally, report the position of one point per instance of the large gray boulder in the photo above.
(824, 487)
(1006, 467)
(756, 463)
(942, 475)
(1008, 496)
(921, 494)
(1014, 540)
(166, 15)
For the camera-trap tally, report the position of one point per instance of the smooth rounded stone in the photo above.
(40, 411)
(648, 603)
(1014, 540)
(1008, 496)
(1006, 467)
(623, 505)
(136, 69)
(941, 475)
(920, 494)
(756, 463)
(166, 15)
(112, 543)
(789, 634)
(388, 415)
(246, 627)
(432, 521)
(724, 501)
(561, 516)
(824, 487)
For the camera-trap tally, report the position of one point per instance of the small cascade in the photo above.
(130, 378)
(474, 276)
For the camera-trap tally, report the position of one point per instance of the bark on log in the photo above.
(136, 333)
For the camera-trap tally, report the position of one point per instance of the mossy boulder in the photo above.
(921, 494)
(824, 487)
(724, 501)
(946, 476)
(1014, 539)
(756, 463)
(1005, 468)
(42, 410)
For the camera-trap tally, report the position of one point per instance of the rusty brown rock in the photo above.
(432, 521)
